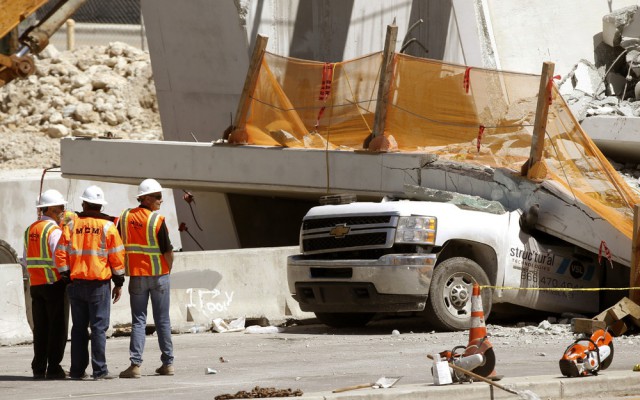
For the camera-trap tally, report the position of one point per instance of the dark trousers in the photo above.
(90, 307)
(50, 325)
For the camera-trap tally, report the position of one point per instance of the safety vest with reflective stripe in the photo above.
(91, 249)
(139, 228)
(39, 258)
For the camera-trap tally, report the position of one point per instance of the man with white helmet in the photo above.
(47, 288)
(90, 254)
(148, 260)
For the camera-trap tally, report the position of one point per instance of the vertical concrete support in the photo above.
(533, 168)
(379, 142)
(634, 280)
(239, 135)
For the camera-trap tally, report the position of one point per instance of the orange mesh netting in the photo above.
(472, 115)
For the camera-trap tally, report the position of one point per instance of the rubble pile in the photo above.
(612, 85)
(260, 392)
(90, 92)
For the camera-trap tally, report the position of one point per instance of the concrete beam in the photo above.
(240, 169)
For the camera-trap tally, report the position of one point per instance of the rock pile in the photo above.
(90, 92)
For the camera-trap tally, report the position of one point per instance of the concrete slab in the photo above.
(616, 136)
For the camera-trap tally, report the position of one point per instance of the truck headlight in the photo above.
(418, 230)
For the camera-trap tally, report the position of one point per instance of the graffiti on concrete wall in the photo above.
(209, 300)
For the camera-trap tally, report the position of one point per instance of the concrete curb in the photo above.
(608, 384)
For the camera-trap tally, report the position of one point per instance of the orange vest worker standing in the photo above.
(91, 254)
(149, 258)
(47, 289)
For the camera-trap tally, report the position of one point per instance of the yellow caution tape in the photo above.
(556, 289)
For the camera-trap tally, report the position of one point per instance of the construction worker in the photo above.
(90, 254)
(50, 321)
(148, 260)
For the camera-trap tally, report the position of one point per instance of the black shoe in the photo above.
(104, 376)
(38, 375)
(58, 374)
(78, 377)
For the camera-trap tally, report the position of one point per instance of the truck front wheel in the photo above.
(449, 304)
(344, 320)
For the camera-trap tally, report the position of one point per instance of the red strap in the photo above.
(607, 253)
(549, 85)
(467, 81)
(327, 79)
(325, 88)
(480, 133)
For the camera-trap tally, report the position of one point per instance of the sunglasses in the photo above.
(156, 196)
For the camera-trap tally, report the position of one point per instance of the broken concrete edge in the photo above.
(545, 386)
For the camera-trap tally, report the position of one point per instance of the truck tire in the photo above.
(449, 304)
(344, 320)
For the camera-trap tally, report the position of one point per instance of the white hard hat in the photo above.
(148, 186)
(49, 198)
(94, 195)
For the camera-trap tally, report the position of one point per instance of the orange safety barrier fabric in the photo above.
(471, 115)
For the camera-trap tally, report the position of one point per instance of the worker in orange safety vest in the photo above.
(90, 254)
(149, 258)
(50, 320)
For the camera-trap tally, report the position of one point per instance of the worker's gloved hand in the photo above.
(65, 277)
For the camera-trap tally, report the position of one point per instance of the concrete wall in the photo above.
(14, 328)
(206, 285)
(527, 34)
(19, 190)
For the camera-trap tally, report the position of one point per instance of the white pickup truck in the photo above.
(359, 259)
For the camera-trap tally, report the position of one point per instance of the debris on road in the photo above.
(258, 392)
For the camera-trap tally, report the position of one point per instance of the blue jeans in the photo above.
(90, 307)
(141, 288)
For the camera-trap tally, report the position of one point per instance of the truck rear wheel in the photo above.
(449, 304)
(344, 320)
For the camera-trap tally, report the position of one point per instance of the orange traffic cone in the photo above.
(478, 329)
(478, 341)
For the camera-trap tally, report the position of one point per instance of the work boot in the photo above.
(132, 372)
(166, 369)
(104, 377)
(57, 374)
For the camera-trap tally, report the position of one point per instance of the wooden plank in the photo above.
(250, 81)
(634, 280)
(586, 325)
(540, 124)
(385, 80)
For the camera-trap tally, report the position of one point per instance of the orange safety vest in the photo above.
(39, 258)
(91, 249)
(139, 228)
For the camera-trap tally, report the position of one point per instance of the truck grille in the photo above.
(347, 233)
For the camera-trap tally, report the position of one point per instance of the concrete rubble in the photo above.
(611, 86)
(90, 92)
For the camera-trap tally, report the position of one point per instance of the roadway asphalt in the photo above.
(316, 360)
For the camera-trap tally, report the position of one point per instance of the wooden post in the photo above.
(634, 280)
(250, 81)
(540, 124)
(383, 87)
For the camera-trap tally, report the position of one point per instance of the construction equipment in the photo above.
(35, 38)
(477, 356)
(588, 355)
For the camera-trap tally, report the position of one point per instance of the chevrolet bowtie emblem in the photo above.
(339, 231)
